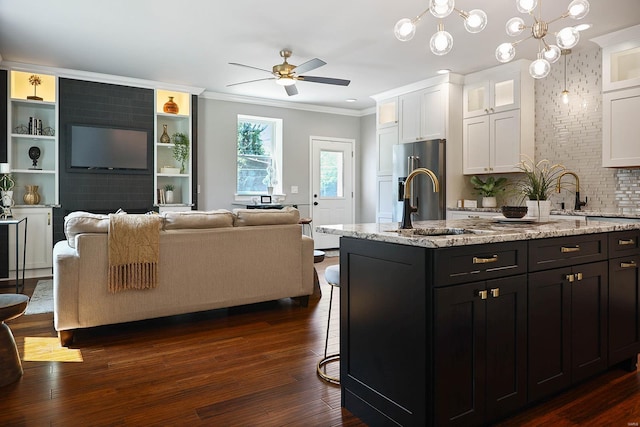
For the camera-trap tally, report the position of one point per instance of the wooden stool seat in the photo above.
(11, 306)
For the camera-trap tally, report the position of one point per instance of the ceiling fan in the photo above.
(286, 74)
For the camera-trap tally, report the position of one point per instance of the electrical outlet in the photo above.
(294, 189)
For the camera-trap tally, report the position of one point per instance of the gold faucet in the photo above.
(407, 209)
(578, 203)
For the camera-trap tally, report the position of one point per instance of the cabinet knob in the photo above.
(491, 110)
(495, 292)
(569, 278)
(482, 294)
(579, 276)
(486, 110)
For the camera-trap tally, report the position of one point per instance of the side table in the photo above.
(16, 222)
(318, 256)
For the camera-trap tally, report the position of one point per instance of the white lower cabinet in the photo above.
(39, 238)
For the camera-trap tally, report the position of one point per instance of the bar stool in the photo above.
(11, 306)
(332, 275)
(307, 222)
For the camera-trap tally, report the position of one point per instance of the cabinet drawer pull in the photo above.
(565, 249)
(630, 264)
(482, 294)
(626, 242)
(579, 276)
(478, 260)
(570, 278)
(495, 292)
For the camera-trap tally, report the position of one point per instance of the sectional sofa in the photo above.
(207, 260)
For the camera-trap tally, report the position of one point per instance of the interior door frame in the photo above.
(352, 143)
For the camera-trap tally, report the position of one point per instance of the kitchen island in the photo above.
(466, 322)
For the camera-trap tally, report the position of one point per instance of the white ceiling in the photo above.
(191, 42)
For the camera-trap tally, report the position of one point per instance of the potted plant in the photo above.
(537, 183)
(168, 193)
(488, 189)
(181, 149)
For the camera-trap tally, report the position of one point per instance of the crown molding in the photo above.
(285, 104)
(101, 78)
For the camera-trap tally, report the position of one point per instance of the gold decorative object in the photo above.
(31, 197)
(170, 106)
(165, 138)
(35, 82)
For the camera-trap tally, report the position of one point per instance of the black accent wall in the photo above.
(93, 103)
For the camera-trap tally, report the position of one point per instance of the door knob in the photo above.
(315, 203)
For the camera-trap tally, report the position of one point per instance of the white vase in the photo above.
(539, 209)
(489, 202)
(168, 196)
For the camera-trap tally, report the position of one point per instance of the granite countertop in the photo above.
(603, 214)
(472, 231)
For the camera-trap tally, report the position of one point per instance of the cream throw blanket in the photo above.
(134, 248)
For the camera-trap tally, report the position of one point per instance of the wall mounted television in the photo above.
(104, 149)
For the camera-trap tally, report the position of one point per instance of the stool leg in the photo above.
(326, 341)
(10, 366)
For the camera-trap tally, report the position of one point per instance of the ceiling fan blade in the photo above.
(291, 90)
(249, 66)
(325, 80)
(251, 81)
(311, 64)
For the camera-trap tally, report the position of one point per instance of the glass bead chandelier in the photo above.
(566, 38)
(441, 42)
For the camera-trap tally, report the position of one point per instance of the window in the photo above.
(259, 161)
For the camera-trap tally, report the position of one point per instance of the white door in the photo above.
(331, 186)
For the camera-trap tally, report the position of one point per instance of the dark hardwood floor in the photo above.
(247, 366)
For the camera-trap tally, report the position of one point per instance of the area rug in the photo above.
(42, 299)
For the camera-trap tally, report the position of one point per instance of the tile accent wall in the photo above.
(572, 135)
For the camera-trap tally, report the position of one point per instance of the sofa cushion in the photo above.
(198, 219)
(249, 217)
(84, 222)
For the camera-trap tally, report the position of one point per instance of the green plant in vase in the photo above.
(181, 149)
(488, 189)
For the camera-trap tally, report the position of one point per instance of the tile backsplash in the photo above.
(572, 135)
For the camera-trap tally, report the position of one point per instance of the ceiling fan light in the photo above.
(285, 81)
(552, 53)
(515, 26)
(441, 8)
(567, 37)
(476, 21)
(578, 9)
(526, 6)
(539, 68)
(404, 30)
(441, 43)
(505, 52)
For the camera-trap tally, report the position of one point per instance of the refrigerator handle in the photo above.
(414, 162)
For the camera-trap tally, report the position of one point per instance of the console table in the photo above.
(16, 222)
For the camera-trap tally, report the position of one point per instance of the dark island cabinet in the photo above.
(567, 326)
(480, 341)
(624, 298)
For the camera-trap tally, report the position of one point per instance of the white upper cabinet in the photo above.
(387, 113)
(621, 97)
(423, 114)
(492, 95)
(498, 125)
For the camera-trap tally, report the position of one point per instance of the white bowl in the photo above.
(167, 169)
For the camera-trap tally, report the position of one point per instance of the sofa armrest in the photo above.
(66, 267)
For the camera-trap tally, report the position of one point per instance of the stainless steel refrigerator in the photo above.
(423, 154)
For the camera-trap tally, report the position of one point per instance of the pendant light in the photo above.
(565, 93)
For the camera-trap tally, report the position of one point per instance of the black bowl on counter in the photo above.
(514, 211)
